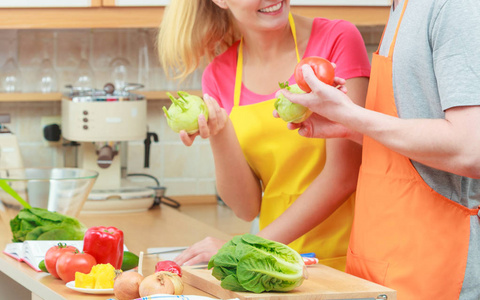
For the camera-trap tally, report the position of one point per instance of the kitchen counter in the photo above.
(159, 227)
(168, 227)
(218, 216)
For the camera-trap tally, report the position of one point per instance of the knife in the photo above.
(168, 250)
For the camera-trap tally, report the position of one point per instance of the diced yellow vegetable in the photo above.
(84, 281)
(103, 283)
(105, 276)
(100, 277)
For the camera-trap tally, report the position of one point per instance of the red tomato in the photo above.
(169, 266)
(70, 262)
(52, 255)
(322, 68)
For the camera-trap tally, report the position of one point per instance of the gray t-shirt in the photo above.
(436, 66)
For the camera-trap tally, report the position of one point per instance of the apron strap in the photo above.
(239, 73)
(294, 33)
(392, 46)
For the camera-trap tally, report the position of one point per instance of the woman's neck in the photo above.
(268, 59)
(260, 46)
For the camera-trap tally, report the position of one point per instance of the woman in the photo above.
(303, 196)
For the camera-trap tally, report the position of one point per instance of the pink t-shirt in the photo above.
(338, 41)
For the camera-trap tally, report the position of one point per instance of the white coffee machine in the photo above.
(10, 157)
(102, 121)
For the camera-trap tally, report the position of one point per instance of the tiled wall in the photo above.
(183, 170)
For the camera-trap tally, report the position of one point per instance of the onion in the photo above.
(126, 285)
(161, 283)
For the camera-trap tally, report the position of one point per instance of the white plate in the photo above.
(179, 297)
(71, 285)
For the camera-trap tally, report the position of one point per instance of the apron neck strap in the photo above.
(239, 72)
(394, 40)
(238, 76)
(294, 33)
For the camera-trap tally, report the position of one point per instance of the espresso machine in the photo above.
(100, 123)
(10, 156)
(10, 160)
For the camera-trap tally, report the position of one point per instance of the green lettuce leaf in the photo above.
(41, 224)
(252, 263)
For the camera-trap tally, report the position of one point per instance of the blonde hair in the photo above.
(192, 32)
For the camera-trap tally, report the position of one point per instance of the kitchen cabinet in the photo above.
(292, 2)
(341, 2)
(122, 13)
(49, 3)
(135, 2)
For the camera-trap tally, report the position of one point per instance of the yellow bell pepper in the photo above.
(100, 277)
(84, 281)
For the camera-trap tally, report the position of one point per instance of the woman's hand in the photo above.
(217, 118)
(199, 252)
(317, 126)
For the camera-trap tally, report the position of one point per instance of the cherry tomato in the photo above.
(322, 68)
(169, 266)
(70, 262)
(52, 255)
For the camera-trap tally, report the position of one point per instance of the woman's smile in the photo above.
(272, 9)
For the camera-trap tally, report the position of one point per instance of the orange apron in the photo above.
(405, 235)
(287, 163)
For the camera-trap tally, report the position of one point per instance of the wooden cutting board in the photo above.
(323, 283)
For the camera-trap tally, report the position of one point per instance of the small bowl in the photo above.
(63, 190)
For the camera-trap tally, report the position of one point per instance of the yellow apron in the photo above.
(287, 163)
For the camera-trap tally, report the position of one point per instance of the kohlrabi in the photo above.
(251, 263)
(184, 111)
(288, 111)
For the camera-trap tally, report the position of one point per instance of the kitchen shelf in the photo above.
(150, 17)
(41, 97)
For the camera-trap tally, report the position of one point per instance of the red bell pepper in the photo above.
(105, 244)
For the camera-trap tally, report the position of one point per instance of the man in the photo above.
(416, 226)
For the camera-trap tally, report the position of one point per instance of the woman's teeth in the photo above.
(272, 8)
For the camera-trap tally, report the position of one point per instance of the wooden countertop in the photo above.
(158, 227)
(167, 227)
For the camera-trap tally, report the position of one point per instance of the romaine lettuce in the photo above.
(251, 263)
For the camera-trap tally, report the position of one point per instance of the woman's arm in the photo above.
(237, 185)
